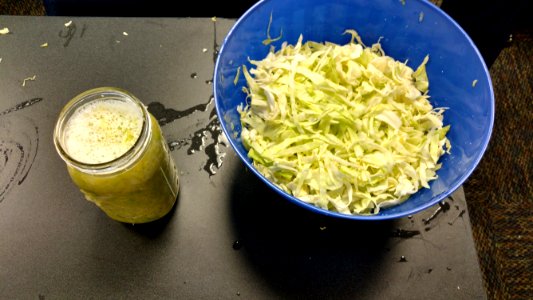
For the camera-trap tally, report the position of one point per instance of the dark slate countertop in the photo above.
(228, 237)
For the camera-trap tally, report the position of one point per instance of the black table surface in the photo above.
(228, 236)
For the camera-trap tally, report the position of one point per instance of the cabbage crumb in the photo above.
(343, 127)
(28, 79)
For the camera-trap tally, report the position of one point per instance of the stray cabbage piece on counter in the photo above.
(343, 127)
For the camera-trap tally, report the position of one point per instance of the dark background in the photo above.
(489, 23)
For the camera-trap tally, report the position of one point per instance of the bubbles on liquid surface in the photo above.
(102, 131)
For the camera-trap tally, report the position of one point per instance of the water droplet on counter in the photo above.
(209, 82)
(204, 50)
(237, 245)
(430, 270)
(238, 293)
(403, 259)
(194, 75)
(448, 268)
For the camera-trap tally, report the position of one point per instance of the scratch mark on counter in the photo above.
(460, 215)
(151, 22)
(19, 143)
(83, 30)
(69, 34)
(405, 234)
(21, 105)
(215, 43)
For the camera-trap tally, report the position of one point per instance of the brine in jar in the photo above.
(116, 154)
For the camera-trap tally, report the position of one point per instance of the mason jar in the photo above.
(116, 154)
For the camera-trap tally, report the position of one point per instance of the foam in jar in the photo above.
(102, 131)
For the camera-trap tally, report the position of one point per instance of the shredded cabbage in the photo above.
(343, 127)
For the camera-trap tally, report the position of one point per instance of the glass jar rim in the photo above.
(122, 161)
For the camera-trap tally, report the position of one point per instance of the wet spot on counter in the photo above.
(443, 207)
(214, 149)
(165, 115)
(210, 138)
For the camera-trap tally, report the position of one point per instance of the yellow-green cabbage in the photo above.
(343, 127)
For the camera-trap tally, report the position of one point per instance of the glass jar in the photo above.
(116, 154)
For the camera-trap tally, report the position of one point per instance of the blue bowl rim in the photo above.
(376, 217)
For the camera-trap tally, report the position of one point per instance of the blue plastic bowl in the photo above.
(458, 76)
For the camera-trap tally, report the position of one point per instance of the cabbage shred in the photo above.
(343, 127)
